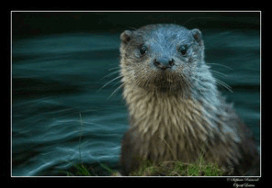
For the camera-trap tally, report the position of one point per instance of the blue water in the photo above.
(62, 114)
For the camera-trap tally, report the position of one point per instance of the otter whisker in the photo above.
(146, 81)
(220, 65)
(117, 82)
(145, 77)
(185, 81)
(110, 82)
(110, 74)
(198, 86)
(116, 90)
(219, 73)
(114, 68)
(225, 85)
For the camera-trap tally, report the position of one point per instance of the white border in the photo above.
(11, 94)
(133, 11)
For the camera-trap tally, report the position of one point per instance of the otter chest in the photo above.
(166, 128)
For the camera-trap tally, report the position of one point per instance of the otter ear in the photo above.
(197, 35)
(126, 36)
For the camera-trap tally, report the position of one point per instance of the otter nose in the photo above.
(164, 63)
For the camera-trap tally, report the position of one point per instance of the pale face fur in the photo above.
(162, 43)
(173, 112)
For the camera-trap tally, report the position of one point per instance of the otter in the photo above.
(176, 112)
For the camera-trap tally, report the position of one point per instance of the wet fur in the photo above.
(180, 118)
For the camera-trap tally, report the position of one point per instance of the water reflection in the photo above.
(56, 79)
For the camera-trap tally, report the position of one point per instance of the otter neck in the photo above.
(165, 114)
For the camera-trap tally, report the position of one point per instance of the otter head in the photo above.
(161, 57)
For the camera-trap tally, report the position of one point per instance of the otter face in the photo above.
(161, 57)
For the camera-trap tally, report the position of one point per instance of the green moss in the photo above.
(77, 170)
(178, 168)
(166, 168)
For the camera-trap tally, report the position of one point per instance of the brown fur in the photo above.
(174, 119)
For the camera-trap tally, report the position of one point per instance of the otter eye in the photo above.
(182, 49)
(143, 49)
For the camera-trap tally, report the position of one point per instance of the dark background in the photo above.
(25, 24)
